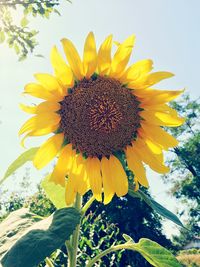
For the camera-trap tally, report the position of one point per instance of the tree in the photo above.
(185, 165)
(20, 37)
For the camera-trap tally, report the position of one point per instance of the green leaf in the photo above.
(24, 22)
(2, 37)
(56, 193)
(38, 244)
(57, 12)
(14, 226)
(127, 238)
(21, 160)
(156, 206)
(39, 55)
(17, 49)
(155, 254)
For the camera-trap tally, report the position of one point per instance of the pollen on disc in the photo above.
(100, 116)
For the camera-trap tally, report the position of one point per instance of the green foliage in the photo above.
(2, 37)
(40, 204)
(188, 160)
(103, 227)
(15, 202)
(189, 251)
(20, 36)
(190, 110)
(33, 247)
(133, 217)
(156, 206)
(155, 254)
(28, 155)
(185, 166)
(97, 235)
(56, 193)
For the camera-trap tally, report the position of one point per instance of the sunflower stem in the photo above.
(109, 250)
(72, 246)
(49, 262)
(87, 205)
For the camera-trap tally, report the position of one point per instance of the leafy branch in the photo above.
(21, 37)
(150, 250)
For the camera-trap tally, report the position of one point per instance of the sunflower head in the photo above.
(97, 108)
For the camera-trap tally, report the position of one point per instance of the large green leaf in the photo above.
(156, 206)
(14, 226)
(56, 193)
(37, 244)
(21, 160)
(155, 254)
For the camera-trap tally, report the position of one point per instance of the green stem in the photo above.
(49, 262)
(87, 205)
(72, 246)
(107, 251)
(69, 251)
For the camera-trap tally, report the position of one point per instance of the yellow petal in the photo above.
(79, 175)
(135, 164)
(63, 165)
(70, 191)
(137, 71)
(73, 58)
(164, 108)
(43, 107)
(104, 56)
(83, 185)
(94, 175)
(39, 91)
(89, 56)
(147, 156)
(48, 151)
(119, 178)
(159, 135)
(150, 80)
(48, 106)
(121, 57)
(40, 132)
(162, 119)
(159, 107)
(50, 83)
(108, 186)
(153, 146)
(61, 69)
(40, 122)
(28, 109)
(153, 97)
(156, 77)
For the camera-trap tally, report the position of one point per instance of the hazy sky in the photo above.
(167, 31)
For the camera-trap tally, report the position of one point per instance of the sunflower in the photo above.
(96, 108)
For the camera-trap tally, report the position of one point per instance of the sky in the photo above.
(167, 31)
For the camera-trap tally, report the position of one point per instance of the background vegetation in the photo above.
(14, 22)
(184, 163)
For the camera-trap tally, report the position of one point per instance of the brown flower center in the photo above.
(100, 116)
(104, 114)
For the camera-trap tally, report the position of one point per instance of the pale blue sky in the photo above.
(167, 31)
